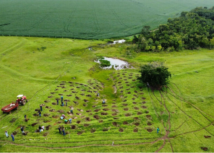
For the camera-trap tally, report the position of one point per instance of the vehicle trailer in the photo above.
(10, 107)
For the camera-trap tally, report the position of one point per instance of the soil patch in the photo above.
(144, 107)
(93, 130)
(73, 127)
(53, 103)
(55, 116)
(136, 108)
(50, 96)
(100, 121)
(37, 110)
(125, 122)
(139, 113)
(137, 124)
(46, 114)
(149, 130)
(127, 114)
(105, 129)
(45, 134)
(15, 132)
(114, 114)
(87, 119)
(69, 95)
(120, 130)
(149, 123)
(114, 106)
(52, 110)
(61, 111)
(96, 117)
(125, 104)
(143, 102)
(48, 127)
(13, 120)
(33, 124)
(103, 113)
(207, 136)
(96, 110)
(105, 109)
(136, 118)
(204, 148)
(86, 125)
(148, 116)
(135, 130)
(114, 123)
(79, 133)
(88, 111)
(134, 103)
(146, 112)
(126, 109)
(35, 114)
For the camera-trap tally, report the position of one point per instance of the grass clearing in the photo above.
(129, 119)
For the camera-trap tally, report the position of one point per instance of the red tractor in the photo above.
(21, 99)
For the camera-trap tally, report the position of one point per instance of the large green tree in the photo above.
(154, 75)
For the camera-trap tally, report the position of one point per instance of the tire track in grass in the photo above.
(191, 117)
(165, 137)
(93, 145)
(169, 123)
(195, 107)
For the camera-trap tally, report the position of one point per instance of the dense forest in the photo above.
(191, 30)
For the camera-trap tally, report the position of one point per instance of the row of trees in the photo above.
(191, 30)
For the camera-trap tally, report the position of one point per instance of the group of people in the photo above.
(62, 130)
(62, 103)
(41, 128)
(12, 135)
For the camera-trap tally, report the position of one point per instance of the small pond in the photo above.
(116, 63)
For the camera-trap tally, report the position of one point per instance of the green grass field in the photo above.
(128, 121)
(88, 19)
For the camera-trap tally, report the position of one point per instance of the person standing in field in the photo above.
(61, 98)
(12, 136)
(40, 113)
(158, 130)
(59, 130)
(40, 107)
(6, 133)
(63, 131)
(103, 101)
(25, 116)
(57, 101)
(71, 110)
(70, 120)
(22, 129)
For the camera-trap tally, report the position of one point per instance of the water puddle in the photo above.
(117, 64)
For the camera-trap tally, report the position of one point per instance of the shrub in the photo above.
(104, 63)
(154, 75)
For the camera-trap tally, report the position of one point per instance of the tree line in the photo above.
(191, 30)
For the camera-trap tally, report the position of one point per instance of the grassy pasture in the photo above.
(88, 19)
(184, 111)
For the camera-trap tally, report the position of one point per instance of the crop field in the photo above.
(88, 19)
(44, 69)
